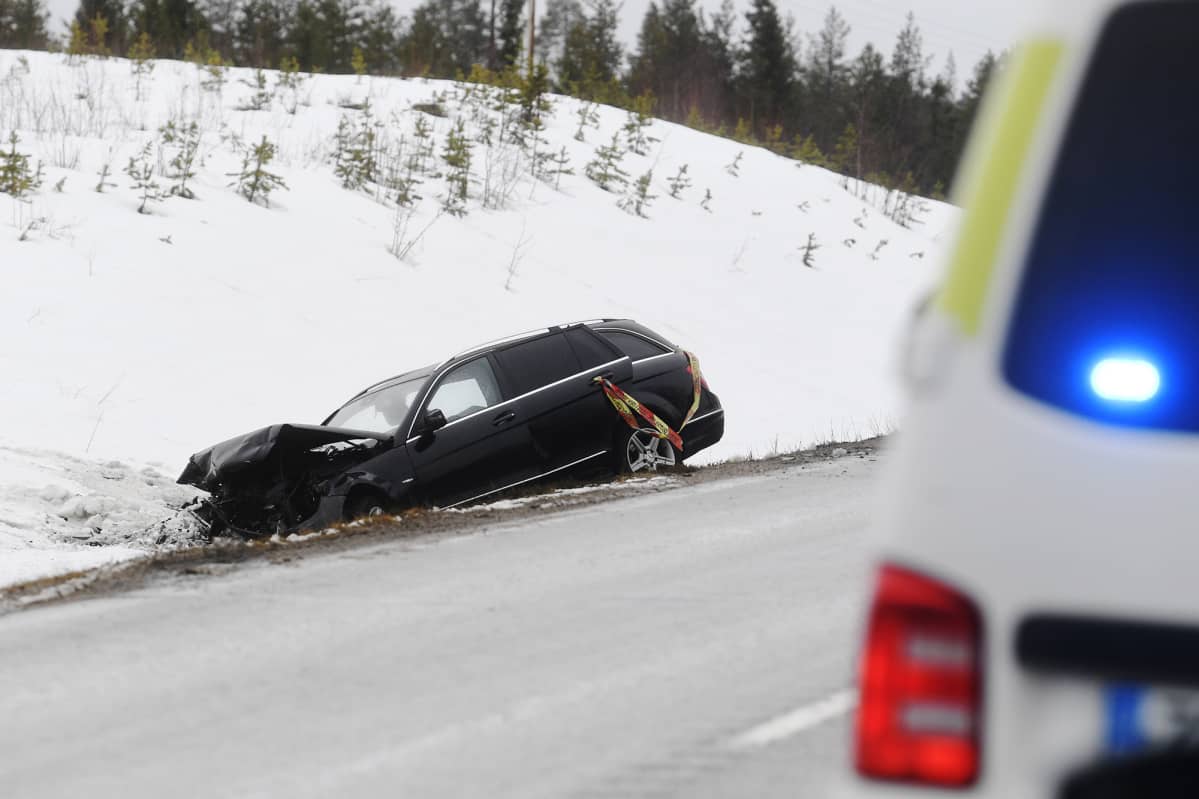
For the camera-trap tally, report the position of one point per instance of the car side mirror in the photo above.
(432, 421)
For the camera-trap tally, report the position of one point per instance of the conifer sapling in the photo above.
(638, 200)
(457, 156)
(141, 171)
(809, 251)
(679, 182)
(17, 177)
(254, 182)
(140, 64)
(605, 169)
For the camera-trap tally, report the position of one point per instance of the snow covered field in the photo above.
(133, 340)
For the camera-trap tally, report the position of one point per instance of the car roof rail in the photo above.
(520, 336)
(497, 342)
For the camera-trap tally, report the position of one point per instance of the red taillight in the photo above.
(920, 692)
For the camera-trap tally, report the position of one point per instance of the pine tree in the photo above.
(259, 34)
(679, 183)
(561, 166)
(184, 140)
(17, 177)
(215, 72)
(767, 70)
(847, 157)
(809, 251)
(422, 133)
(104, 173)
(356, 150)
(604, 169)
(638, 200)
(552, 26)
(827, 75)
(774, 139)
(510, 33)
(587, 118)
(638, 122)
(23, 24)
(140, 63)
(171, 25)
(457, 156)
(114, 29)
(806, 151)
(254, 182)
(734, 168)
(591, 54)
(288, 83)
(141, 171)
(261, 97)
(706, 202)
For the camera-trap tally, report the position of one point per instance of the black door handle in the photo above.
(504, 418)
(608, 375)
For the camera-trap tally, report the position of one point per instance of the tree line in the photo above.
(753, 76)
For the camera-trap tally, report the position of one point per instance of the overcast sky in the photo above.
(967, 28)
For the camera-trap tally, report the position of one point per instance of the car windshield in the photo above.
(381, 410)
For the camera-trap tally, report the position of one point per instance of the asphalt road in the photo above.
(691, 643)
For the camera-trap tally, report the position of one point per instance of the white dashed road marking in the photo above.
(797, 721)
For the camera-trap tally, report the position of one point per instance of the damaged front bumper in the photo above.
(277, 479)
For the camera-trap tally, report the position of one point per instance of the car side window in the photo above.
(533, 364)
(467, 389)
(590, 348)
(633, 346)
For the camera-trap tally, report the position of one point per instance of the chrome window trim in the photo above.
(520, 337)
(655, 357)
(528, 479)
(498, 342)
(706, 415)
(559, 382)
(650, 339)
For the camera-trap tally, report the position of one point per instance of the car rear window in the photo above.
(533, 364)
(633, 345)
(1105, 322)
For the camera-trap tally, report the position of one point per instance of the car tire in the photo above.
(642, 451)
(365, 504)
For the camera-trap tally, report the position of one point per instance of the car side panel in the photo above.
(475, 455)
(573, 420)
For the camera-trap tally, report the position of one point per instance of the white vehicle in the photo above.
(1034, 629)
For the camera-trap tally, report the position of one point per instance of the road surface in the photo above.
(691, 643)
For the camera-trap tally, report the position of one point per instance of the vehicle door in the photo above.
(483, 446)
(553, 377)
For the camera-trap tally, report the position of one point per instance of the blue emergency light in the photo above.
(1125, 380)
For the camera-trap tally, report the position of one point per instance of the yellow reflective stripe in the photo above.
(992, 174)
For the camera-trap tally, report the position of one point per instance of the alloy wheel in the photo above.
(647, 452)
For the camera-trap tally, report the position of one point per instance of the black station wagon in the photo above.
(489, 419)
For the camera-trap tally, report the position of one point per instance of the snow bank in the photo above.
(143, 338)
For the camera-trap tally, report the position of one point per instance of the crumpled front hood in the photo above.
(253, 456)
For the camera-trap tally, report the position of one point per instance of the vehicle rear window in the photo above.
(536, 363)
(1112, 277)
(589, 348)
(632, 345)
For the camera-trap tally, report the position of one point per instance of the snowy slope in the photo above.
(137, 339)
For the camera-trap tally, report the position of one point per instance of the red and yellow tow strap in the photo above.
(627, 406)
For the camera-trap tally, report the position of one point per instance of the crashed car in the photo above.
(606, 393)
